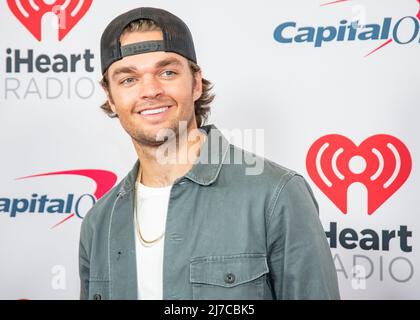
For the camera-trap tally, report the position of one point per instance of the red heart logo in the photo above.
(30, 13)
(385, 162)
(418, 13)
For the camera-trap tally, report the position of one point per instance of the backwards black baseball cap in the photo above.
(176, 36)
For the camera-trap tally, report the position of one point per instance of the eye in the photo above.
(127, 81)
(168, 73)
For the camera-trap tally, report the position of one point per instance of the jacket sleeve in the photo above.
(84, 261)
(299, 257)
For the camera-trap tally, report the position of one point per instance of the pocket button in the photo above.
(229, 278)
(97, 297)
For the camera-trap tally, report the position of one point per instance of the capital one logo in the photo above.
(388, 30)
(382, 163)
(70, 205)
(30, 13)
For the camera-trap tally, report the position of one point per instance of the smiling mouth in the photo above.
(154, 111)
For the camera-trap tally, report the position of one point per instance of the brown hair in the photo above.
(201, 105)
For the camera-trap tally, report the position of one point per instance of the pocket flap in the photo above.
(228, 271)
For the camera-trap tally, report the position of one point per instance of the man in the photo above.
(196, 226)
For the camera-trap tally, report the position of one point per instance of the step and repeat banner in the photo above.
(331, 88)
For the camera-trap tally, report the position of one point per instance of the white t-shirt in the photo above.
(152, 207)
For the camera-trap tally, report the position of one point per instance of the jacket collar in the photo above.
(206, 168)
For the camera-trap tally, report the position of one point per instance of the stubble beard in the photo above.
(157, 138)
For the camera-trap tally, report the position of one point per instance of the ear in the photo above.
(198, 88)
(110, 100)
(111, 103)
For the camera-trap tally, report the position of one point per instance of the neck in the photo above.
(162, 165)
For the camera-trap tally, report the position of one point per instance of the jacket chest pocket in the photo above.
(234, 277)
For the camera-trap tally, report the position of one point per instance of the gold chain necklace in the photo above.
(136, 218)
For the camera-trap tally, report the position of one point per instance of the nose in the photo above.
(151, 88)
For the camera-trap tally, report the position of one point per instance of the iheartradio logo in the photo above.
(381, 162)
(30, 13)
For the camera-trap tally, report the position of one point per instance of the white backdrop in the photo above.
(50, 122)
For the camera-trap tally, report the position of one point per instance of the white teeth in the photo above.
(154, 111)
